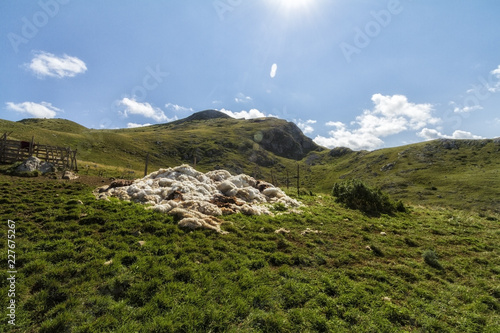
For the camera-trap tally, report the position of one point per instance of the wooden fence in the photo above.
(12, 151)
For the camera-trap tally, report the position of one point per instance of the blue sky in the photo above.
(362, 74)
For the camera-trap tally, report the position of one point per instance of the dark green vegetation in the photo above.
(354, 194)
(462, 174)
(81, 268)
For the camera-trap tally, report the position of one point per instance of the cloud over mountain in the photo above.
(36, 110)
(390, 115)
(432, 134)
(305, 126)
(143, 109)
(253, 113)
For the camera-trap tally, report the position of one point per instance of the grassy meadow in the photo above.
(445, 173)
(85, 265)
(108, 266)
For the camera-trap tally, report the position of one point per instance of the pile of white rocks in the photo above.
(197, 198)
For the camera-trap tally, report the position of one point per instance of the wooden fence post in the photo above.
(31, 146)
(146, 167)
(298, 180)
(2, 147)
(74, 160)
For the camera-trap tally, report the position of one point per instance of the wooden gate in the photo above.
(12, 151)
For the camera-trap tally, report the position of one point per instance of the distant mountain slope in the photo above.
(460, 173)
(210, 137)
(56, 124)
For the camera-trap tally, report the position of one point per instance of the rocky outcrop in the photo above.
(462, 143)
(340, 151)
(287, 140)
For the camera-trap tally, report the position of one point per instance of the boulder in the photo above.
(69, 175)
(33, 163)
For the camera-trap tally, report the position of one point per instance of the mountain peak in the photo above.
(206, 115)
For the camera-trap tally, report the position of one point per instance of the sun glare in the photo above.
(294, 4)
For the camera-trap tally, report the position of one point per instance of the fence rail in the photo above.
(12, 151)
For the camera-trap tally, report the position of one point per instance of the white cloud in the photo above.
(46, 64)
(336, 124)
(432, 134)
(274, 68)
(178, 108)
(305, 126)
(496, 71)
(496, 86)
(36, 110)
(479, 92)
(344, 138)
(467, 109)
(241, 98)
(391, 107)
(143, 109)
(253, 113)
(357, 140)
(134, 125)
(390, 115)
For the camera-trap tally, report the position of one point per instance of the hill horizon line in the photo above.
(209, 114)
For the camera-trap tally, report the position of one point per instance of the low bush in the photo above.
(354, 194)
(431, 259)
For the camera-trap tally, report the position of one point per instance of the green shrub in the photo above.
(431, 259)
(354, 194)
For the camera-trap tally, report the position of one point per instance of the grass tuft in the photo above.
(431, 259)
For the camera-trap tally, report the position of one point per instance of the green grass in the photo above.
(463, 174)
(429, 173)
(252, 279)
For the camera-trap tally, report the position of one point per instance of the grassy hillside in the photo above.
(460, 173)
(85, 265)
(227, 143)
(58, 125)
(95, 266)
(456, 173)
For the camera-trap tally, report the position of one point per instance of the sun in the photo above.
(294, 4)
